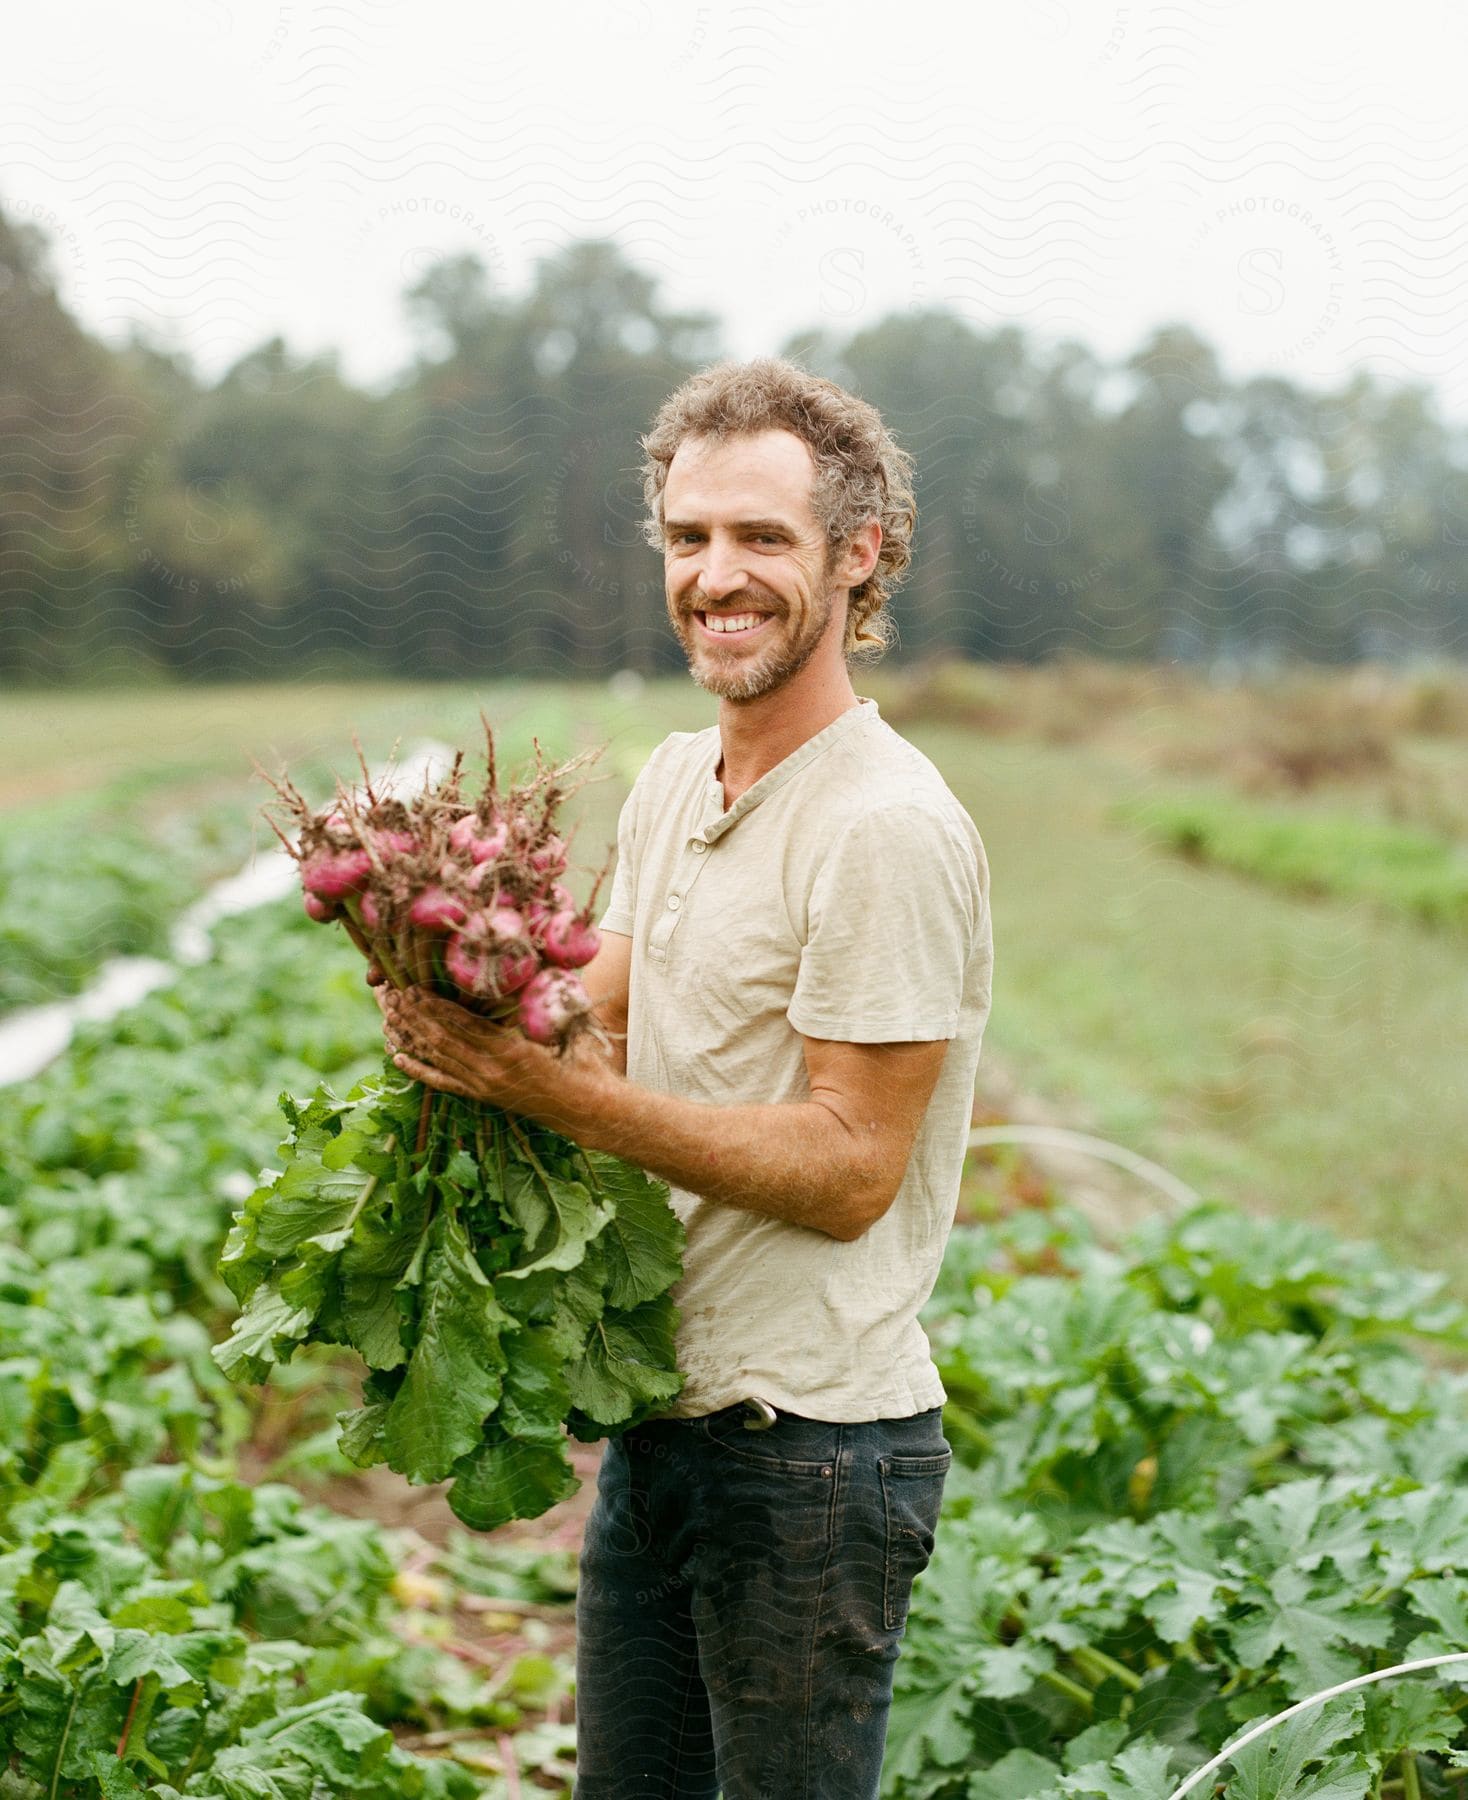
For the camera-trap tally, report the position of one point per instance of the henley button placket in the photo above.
(719, 819)
(687, 872)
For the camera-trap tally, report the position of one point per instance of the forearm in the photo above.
(802, 1161)
(795, 1161)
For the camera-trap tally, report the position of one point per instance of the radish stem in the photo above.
(127, 1724)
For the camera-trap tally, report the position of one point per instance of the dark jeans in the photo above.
(742, 1599)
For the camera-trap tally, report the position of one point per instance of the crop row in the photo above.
(164, 1625)
(104, 877)
(1197, 1479)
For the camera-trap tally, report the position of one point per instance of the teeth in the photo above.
(738, 623)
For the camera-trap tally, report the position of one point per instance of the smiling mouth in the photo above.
(747, 625)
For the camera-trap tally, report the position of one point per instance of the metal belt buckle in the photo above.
(764, 1414)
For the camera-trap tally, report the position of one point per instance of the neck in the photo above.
(756, 735)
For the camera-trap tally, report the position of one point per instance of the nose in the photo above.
(722, 571)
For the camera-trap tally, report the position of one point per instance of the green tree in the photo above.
(61, 411)
(1166, 451)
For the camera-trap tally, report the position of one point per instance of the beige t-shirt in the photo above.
(844, 896)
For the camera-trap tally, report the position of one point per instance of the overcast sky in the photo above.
(1286, 175)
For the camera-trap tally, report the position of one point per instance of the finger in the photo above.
(449, 1058)
(425, 1040)
(408, 1002)
(428, 1026)
(401, 1036)
(431, 1077)
(396, 1008)
(411, 1022)
(433, 1006)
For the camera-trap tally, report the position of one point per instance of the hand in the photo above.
(457, 1052)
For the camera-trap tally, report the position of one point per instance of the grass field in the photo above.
(1304, 1056)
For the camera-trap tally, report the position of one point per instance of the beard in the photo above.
(744, 677)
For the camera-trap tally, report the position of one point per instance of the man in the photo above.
(798, 951)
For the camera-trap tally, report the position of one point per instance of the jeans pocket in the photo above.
(790, 1447)
(912, 1496)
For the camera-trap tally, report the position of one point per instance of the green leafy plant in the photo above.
(497, 1280)
(1200, 1479)
(135, 1141)
(185, 1633)
(81, 1406)
(93, 879)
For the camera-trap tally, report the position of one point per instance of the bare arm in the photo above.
(833, 1162)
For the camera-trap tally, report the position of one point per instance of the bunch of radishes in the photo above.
(465, 898)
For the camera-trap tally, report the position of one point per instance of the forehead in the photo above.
(753, 476)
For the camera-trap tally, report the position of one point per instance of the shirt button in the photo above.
(673, 903)
(698, 846)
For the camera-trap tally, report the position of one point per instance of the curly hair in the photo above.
(860, 472)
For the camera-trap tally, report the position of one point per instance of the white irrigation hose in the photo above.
(34, 1036)
(1058, 1138)
(1227, 1754)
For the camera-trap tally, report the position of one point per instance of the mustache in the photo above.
(745, 603)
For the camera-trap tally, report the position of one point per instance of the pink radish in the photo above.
(474, 965)
(550, 1004)
(463, 895)
(463, 832)
(486, 957)
(550, 858)
(333, 874)
(436, 910)
(507, 924)
(517, 967)
(481, 844)
(390, 844)
(570, 942)
(537, 911)
(465, 962)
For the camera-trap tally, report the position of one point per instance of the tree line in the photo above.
(481, 516)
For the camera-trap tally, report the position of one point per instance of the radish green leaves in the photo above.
(498, 1283)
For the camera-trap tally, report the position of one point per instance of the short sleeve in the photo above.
(621, 910)
(896, 914)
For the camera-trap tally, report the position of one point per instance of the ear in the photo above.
(859, 557)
